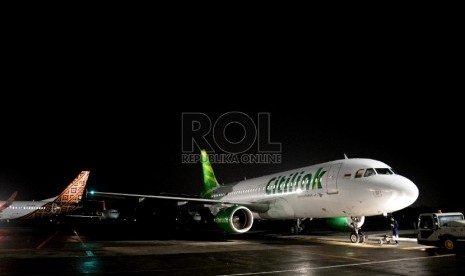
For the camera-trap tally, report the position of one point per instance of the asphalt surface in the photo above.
(61, 251)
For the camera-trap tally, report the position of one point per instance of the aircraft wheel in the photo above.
(354, 237)
(380, 242)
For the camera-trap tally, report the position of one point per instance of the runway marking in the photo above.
(47, 240)
(88, 252)
(336, 266)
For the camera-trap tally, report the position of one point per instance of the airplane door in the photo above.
(331, 179)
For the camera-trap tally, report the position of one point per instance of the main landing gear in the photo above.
(296, 229)
(299, 226)
(357, 235)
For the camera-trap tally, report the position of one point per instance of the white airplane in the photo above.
(61, 204)
(344, 190)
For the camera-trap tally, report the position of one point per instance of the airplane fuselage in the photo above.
(347, 187)
(34, 209)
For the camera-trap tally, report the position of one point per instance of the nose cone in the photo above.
(407, 192)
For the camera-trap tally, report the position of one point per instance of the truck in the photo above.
(445, 230)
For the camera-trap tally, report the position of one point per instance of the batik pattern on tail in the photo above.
(66, 202)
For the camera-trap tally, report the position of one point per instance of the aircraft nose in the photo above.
(408, 191)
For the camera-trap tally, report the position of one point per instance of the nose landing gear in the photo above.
(357, 236)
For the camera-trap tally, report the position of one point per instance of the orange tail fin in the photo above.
(73, 193)
(9, 201)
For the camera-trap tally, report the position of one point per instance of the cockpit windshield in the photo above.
(384, 171)
(371, 171)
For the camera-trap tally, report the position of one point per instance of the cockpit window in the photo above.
(369, 172)
(384, 171)
(359, 173)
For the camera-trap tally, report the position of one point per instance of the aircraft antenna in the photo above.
(345, 156)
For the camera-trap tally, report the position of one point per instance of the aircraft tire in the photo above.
(354, 237)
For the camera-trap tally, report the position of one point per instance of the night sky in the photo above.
(110, 101)
(130, 145)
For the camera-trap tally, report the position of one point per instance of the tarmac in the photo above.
(66, 251)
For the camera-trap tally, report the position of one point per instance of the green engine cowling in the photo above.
(235, 219)
(344, 223)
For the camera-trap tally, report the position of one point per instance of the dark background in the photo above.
(131, 145)
(110, 101)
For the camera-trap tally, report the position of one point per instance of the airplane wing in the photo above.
(253, 206)
(9, 201)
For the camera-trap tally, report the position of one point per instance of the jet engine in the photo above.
(234, 219)
(345, 223)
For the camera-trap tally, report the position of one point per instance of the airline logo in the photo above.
(295, 182)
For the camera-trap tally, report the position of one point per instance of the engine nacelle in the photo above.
(234, 219)
(345, 223)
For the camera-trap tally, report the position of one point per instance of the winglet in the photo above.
(209, 179)
(9, 201)
(73, 193)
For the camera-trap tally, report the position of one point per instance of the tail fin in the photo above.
(73, 193)
(9, 201)
(209, 179)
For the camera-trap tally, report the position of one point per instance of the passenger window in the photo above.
(369, 172)
(359, 173)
